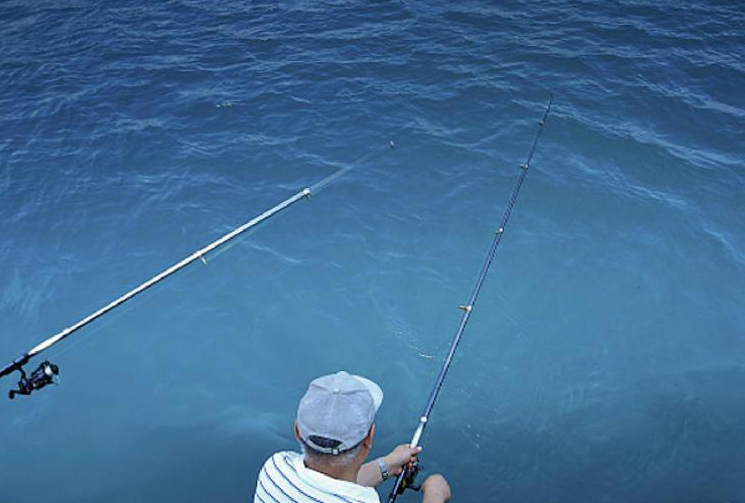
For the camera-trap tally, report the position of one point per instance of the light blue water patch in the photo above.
(603, 362)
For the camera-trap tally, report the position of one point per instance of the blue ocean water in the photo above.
(604, 361)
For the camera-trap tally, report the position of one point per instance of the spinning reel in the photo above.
(46, 373)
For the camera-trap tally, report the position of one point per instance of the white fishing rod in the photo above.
(46, 372)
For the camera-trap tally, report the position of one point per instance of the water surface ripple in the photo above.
(604, 361)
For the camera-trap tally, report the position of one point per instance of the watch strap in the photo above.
(383, 468)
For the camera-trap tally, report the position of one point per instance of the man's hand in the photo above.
(401, 456)
(435, 489)
(369, 474)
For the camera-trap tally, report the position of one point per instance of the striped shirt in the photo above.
(284, 478)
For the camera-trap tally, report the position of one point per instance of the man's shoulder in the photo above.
(281, 463)
(284, 477)
(278, 480)
(286, 457)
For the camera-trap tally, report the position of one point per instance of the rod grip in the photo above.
(15, 365)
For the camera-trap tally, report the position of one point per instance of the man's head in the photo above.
(335, 417)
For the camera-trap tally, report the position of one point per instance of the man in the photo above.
(335, 429)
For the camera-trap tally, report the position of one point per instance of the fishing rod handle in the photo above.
(401, 476)
(418, 432)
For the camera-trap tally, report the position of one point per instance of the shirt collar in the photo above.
(330, 484)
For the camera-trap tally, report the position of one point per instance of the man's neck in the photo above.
(348, 473)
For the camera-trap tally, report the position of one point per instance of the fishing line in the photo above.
(47, 373)
(406, 480)
(314, 190)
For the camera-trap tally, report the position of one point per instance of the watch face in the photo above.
(383, 468)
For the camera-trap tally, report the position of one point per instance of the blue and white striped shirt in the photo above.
(284, 478)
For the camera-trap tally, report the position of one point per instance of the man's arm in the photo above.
(370, 474)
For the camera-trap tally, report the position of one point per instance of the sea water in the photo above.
(604, 361)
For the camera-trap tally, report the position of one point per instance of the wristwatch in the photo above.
(383, 468)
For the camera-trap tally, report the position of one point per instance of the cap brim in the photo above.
(374, 389)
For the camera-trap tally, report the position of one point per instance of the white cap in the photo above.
(336, 412)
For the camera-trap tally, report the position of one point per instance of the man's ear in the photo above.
(367, 442)
(297, 432)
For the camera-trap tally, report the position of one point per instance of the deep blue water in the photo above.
(604, 361)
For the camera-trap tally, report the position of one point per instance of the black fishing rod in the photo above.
(407, 478)
(46, 373)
